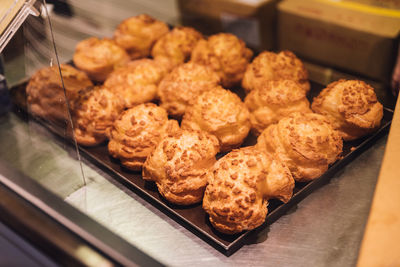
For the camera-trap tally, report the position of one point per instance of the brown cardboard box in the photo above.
(254, 21)
(347, 35)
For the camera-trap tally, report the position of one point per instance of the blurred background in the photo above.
(337, 39)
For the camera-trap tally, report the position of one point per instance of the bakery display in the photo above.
(226, 54)
(137, 81)
(93, 114)
(138, 34)
(274, 100)
(176, 46)
(99, 57)
(137, 131)
(221, 113)
(180, 166)
(306, 142)
(236, 197)
(352, 107)
(45, 91)
(275, 66)
(291, 146)
(180, 87)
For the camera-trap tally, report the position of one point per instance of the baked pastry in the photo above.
(138, 34)
(351, 106)
(181, 86)
(305, 142)
(137, 131)
(176, 46)
(236, 197)
(226, 54)
(99, 57)
(93, 113)
(221, 113)
(275, 66)
(180, 166)
(274, 100)
(45, 93)
(137, 81)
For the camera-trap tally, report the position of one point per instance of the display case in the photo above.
(78, 205)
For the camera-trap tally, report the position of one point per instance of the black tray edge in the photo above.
(227, 250)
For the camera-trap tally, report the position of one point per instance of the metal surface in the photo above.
(52, 234)
(324, 229)
(31, 225)
(193, 217)
(15, 251)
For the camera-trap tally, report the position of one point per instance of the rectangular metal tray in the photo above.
(193, 217)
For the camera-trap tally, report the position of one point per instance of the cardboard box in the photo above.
(253, 21)
(347, 35)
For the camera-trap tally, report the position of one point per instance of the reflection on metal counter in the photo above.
(5, 103)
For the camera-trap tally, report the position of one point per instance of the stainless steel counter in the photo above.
(325, 229)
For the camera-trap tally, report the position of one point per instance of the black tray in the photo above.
(193, 217)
